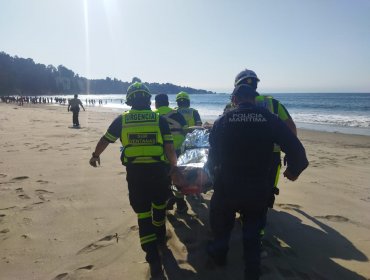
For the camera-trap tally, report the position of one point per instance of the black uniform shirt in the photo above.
(241, 144)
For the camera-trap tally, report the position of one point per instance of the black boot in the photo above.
(218, 257)
(182, 207)
(156, 270)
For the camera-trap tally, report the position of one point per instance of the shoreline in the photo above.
(62, 219)
(300, 126)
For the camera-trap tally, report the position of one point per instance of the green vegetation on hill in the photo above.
(20, 76)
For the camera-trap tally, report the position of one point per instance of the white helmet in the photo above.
(245, 74)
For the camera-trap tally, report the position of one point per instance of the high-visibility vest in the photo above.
(273, 106)
(188, 114)
(269, 103)
(141, 137)
(177, 130)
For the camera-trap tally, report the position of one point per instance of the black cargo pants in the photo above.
(148, 192)
(222, 218)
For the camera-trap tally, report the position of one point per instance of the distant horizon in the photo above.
(217, 92)
(213, 90)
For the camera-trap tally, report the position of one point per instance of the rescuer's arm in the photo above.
(292, 147)
(197, 119)
(168, 146)
(99, 149)
(170, 153)
(290, 123)
(169, 150)
(112, 134)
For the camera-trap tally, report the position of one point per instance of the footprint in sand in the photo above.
(6, 230)
(134, 228)
(88, 267)
(104, 242)
(30, 207)
(41, 193)
(42, 182)
(23, 196)
(7, 208)
(61, 276)
(288, 206)
(333, 218)
(2, 175)
(20, 178)
(351, 157)
(66, 275)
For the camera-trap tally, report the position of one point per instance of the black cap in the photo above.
(244, 91)
(161, 98)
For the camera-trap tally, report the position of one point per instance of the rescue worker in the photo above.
(178, 126)
(249, 77)
(74, 106)
(191, 115)
(175, 120)
(147, 153)
(241, 150)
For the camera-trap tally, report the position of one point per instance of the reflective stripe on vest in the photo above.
(175, 127)
(141, 137)
(268, 103)
(188, 114)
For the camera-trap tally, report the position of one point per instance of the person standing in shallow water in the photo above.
(74, 106)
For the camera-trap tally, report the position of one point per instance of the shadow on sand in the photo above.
(296, 250)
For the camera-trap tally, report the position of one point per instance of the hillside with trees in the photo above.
(22, 76)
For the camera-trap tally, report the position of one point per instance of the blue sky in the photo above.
(292, 45)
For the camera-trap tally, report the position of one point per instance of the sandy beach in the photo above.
(62, 219)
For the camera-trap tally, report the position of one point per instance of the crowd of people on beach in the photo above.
(244, 162)
(21, 100)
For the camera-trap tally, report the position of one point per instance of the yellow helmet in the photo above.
(135, 90)
(182, 95)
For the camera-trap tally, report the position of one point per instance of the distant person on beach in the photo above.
(74, 106)
(149, 156)
(178, 126)
(241, 150)
(191, 115)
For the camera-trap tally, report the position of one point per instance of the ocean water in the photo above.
(334, 112)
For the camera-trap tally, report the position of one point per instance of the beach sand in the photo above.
(62, 219)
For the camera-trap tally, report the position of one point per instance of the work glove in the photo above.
(289, 175)
(93, 160)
